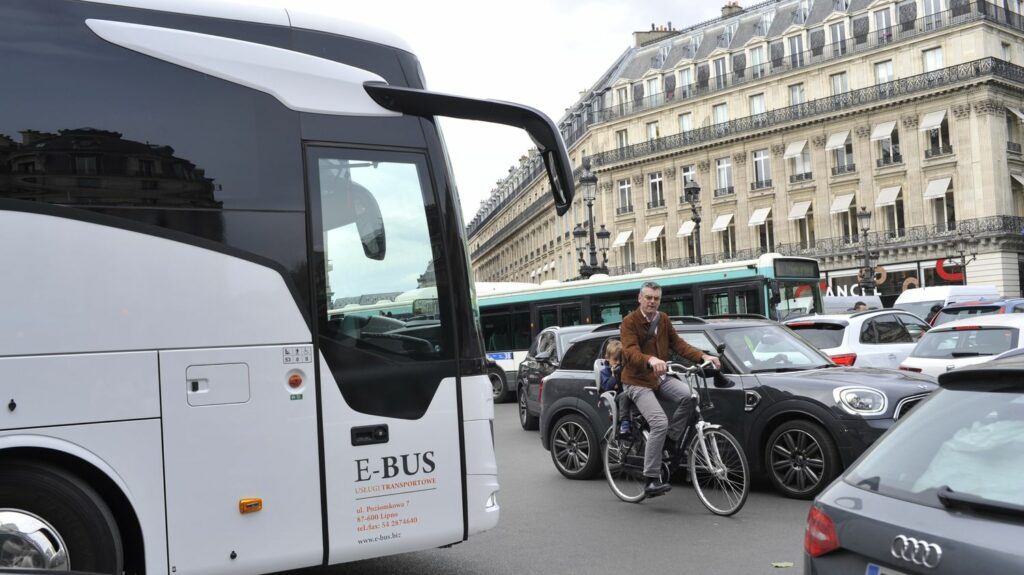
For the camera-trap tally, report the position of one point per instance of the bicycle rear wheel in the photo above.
(719, 473)
(624, 466)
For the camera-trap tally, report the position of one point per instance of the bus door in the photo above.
(736, 298)
(390, 400)
(562, 315)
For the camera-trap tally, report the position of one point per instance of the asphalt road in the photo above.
(552, 525)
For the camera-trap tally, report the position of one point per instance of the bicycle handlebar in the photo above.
(679, 368)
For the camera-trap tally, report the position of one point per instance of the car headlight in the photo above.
(860, 400)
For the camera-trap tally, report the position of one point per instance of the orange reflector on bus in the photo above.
(295, 381)
(251, 505)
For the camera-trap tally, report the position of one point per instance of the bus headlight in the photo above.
(860, 400)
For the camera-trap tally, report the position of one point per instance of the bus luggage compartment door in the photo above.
(238, 425)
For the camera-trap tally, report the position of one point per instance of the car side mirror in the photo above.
(544, 356)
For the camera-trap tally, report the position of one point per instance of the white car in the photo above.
(965, 342)
(878, 338)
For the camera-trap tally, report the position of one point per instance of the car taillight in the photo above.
(820, 537)
(913, 369)
(540, 391)
(800, 324)
(966, 327)
(844, 359)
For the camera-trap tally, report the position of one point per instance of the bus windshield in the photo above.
(796, 298)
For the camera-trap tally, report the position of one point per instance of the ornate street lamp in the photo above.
(866, 277)
(958, 248)
(691, 193)
(588, 181)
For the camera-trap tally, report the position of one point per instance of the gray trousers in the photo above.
(646, 400)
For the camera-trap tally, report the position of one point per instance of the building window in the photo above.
(758, 66)
(628, 255)
(883, 72)
(625, 198)
(622, 97)
(757, 104)
(719, 68)
(685, 122)
(86, 165)
(838, 31)
(723, 173)
(889, 149)
(796, 51)
(944, 212)
(838, 82)
(805, 230)
(883, 26)
(660, 251)
(762, 169)
(688, 174)
(842, 158)
(932, 59)
(938, 140)
(652, 131)
(720, 113)
(800, 166)
(652, 88)
(847, 221)
(728, 241)
(685, 81)
(895, 225)
(657, 192)
(932, 14)
(622, 138)
(766, 235)
(796, 94)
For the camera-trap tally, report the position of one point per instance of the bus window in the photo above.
(548, 317)
(612, 309)
(716, 303)
(521, 330)
(677, 304)
(377, 248)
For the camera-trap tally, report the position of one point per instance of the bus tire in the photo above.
(68, 506)
(499, 387)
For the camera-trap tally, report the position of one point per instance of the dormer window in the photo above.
(765, 23)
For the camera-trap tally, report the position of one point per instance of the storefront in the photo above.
(893, 279)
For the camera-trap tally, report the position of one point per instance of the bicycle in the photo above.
(717, 465)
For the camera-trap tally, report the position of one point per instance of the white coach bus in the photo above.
(190, 195)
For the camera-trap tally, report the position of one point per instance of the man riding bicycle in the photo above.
(647, 337)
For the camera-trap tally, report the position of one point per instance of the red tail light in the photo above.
(540, 391)
(800, 324)
(966, 327)
(844, 359)
(820, 537)
(913, 369)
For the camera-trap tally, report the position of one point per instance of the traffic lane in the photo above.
(550, 524)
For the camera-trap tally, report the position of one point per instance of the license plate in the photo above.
(879, 570)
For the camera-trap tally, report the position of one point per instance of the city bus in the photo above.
(191, 193)
(775, 286)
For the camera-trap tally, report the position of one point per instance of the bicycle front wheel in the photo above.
(624, 466)
(719, 472)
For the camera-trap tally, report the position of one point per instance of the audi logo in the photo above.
(916, 551)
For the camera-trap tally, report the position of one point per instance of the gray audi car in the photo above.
(941, 492)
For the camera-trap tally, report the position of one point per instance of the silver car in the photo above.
(941, 492)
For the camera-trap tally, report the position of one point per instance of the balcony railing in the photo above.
(939, 151)
(657, 203)
(889, 159)
(1013, 147)
(760, 185)
(622, 210)
(726, 191)
(913, 85)
(804, 177)
(844, 169)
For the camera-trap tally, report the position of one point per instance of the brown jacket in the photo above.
(638, 347)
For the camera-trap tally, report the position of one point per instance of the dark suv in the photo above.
(801, 418)
(541, 360)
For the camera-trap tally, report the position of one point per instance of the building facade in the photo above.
(792, 117)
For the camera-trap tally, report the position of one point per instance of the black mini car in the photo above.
(541, 360)
(801, 418)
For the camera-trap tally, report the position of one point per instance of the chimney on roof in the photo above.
(645, 37)
(731, 8)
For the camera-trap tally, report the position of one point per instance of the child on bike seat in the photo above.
(610, 381)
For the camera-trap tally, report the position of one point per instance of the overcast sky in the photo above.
(541, 53)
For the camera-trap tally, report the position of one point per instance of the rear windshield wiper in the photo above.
(968, 353)
(952, 499)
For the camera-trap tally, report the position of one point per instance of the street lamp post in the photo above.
(958, 248)
(597, 240)
(691, 193)
(866, 278)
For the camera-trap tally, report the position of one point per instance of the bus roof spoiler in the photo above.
(541, 129)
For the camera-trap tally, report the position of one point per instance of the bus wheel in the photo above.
(59, 522)
(497, 377)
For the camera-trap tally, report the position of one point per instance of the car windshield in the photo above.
(954, 313)
(770, 348)
(822, 335)
(922, 309)
(969, 441)
(969, 341)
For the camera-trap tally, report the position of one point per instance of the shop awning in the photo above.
(1016, 112)
(883, 131)
(622, 238)
(837, 140)
(722, 223)
(799, 210)
(794, 149)
(653, 233)
(932, 121)
(842, 203)
(686, 229)
(1020, 179)
(759, 216)
(937, 188)
(888, 196)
